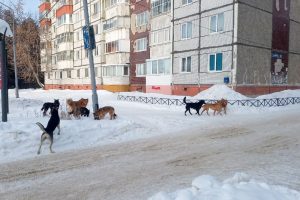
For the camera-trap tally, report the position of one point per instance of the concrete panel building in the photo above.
(174, 47)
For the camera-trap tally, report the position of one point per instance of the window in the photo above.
(110, 23)
(160, 36)
(115, 70)
(216, 62)
(141, 45)
(111, 47)
(77, 55)
(186, 30)
(96, 8)
(65, 55)
(160, 66)
(186, 64)
(64, 19)
(86, 72)
(217, 23)
(78, 73)
(96, 31)
(141, 69)
(160, 6)
(141, 19)
(109, 3)
(69, 74)
(185, 2)
(60, 74)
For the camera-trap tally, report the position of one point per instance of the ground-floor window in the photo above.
(160, 66)
(216, 62)
(115, 70)
(141, 69)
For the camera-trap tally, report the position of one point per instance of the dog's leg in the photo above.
(190, 111)
(51, 142)
(58, 126)
(43, 138)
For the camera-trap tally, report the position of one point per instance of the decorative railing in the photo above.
(246, 102)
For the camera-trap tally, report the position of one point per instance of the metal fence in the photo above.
(247, 102)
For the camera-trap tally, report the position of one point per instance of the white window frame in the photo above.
(186, 67)
(141, 19)
(216, 28)
(186, 29)
(141, 44)
(186, 2)
(141, 69)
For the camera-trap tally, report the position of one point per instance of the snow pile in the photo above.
(282, 94)
(239, 187)
(218, 92)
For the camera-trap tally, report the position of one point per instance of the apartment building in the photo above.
(62, 21)
(174, 47)
(253, 46)
(139, 44)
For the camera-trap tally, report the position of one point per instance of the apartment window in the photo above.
(64, 37)
(160, 36)
(86, 53)
(96, 30)
(97, 50)
(141, 69)
(186, 64)
(77, 55)
(111, 47)
(160, 6)
(60, 74)
(186, 30)
(65, 55)
(185, 2)
(86, 72)
(110, 23)
(96, 8)
(141, 44)
(160, 66)
(69, 74)
(76, 1)
(78, 73)
(109, 3)
(48, 75)
(141, 19)
(115, 70)
(217, 23)
(216, 62)
(77, 17)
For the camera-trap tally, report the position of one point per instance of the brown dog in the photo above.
(216, 107)
(73, 107)
(101, 112)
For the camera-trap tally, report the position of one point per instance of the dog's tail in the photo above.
(184, 100)
(41, 126)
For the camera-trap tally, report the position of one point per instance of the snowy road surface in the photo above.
(267, 148)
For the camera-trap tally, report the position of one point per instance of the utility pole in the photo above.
(14, 50)
(89, 39)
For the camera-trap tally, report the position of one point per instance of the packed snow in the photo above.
(20, 136)
(239, 187)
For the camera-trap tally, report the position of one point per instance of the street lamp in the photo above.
(14, 49)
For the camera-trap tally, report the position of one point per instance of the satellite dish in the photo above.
(5, 27)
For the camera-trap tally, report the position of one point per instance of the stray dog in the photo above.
(216, 107)
(197, 106)
(101, 112)
(73, 107)
(84, 112)
(53, 123)
(50, 105)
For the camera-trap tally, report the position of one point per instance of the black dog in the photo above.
(84, 112)
(50, 105)
(197, 106)
(51, 126)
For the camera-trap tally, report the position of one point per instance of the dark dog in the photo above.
(50, 105)
(197, 106)
(53, 123)
(84, 112)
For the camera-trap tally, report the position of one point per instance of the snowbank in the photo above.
(239, 187)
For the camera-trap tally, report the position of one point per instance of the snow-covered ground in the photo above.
(19, 137)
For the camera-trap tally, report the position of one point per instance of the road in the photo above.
(267, 150)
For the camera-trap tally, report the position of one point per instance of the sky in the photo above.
(30, 6)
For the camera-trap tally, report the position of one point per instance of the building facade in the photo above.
(174, 47)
